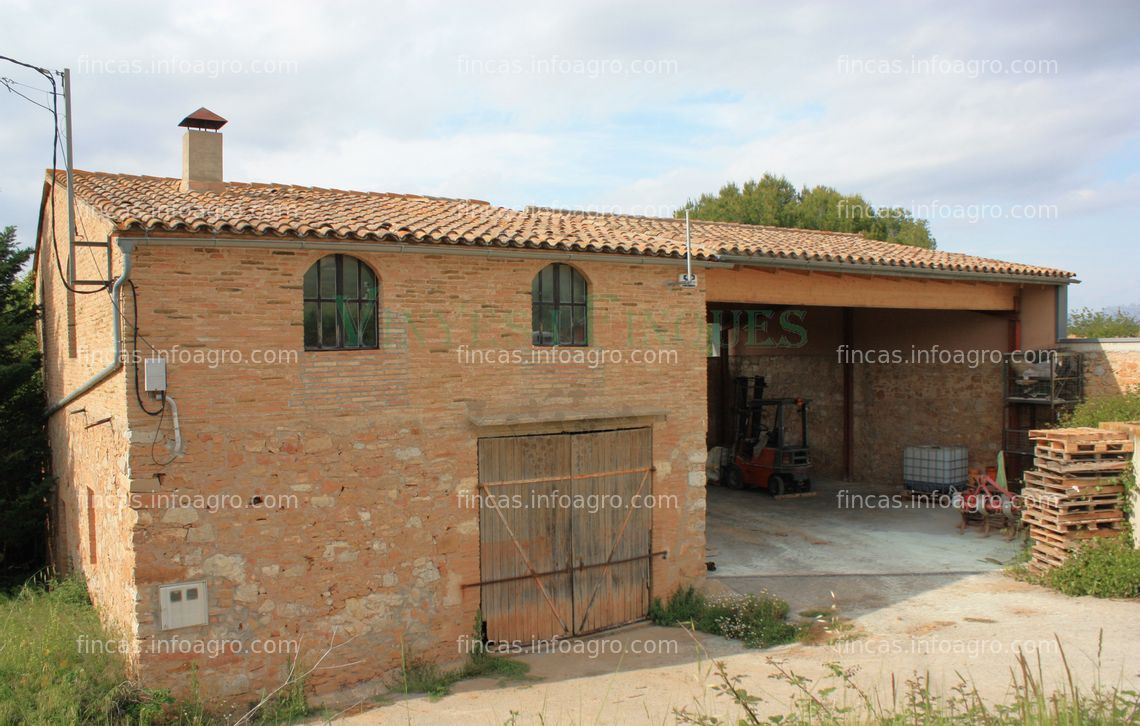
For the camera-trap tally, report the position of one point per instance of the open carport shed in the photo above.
(889, 358)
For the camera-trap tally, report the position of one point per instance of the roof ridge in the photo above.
(280, 185)
(747, 225)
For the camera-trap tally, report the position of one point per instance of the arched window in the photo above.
(341, 310)
(558, 306)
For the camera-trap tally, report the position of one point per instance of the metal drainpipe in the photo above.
(127, 247)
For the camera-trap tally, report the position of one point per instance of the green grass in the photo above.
(417, 676)
(47, 678)
(53, 669)
(759, 621)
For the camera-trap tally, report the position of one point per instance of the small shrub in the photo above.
(1102, 409)
(422, 677)
(417, 676)
(684, 605)
(759, 621)
(1088, 323)
(493, 666)
(1101, 568)
(288, 705)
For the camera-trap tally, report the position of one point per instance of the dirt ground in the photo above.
(919, 596)
(972, 626)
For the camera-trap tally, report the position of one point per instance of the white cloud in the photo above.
(410, 96)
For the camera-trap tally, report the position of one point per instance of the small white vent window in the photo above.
(184, 604)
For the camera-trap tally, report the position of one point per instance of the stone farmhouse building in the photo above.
(293, 414)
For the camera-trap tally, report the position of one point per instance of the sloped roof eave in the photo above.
(156, 205)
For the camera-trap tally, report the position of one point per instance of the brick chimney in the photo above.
(202, 152)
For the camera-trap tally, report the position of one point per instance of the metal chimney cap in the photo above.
(203, 118)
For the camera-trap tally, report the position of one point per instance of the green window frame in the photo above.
(560, 307)
(342, 311)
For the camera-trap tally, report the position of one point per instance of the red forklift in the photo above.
(762, 457)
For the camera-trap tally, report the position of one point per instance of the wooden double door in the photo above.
(565, 532)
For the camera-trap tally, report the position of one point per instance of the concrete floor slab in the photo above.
(868, 545)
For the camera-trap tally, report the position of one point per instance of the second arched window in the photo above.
(558, 306)
(341, 308)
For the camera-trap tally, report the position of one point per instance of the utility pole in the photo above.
(70, 177)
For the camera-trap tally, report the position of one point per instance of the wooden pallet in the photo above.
(1071, 538)
(1046, 561)
(1072, 464)
(1074, 495)
(1077, 434)
(1081, 457)
(1057, 552)
(1064, 523)
(1076, 502)
(1064, 484)
(1086, 447)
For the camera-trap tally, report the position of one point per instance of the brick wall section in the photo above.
(376, 447)
(90, 465)
(1111, 367)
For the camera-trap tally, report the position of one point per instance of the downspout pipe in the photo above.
(127, 247)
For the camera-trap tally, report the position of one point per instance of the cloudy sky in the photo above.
(1013, 127)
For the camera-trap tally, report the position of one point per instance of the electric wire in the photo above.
(135, 357)
(14, 82)
(8, 83)
(54, 110)
(157, 431)
(106, 286)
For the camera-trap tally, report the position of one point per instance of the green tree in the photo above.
(774, 201)
(1087, 323)
(767, 201)
(22, 460)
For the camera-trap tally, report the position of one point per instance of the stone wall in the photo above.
(91, 526)
(1111, 367)
(924, 404)
(348, 468)
(903, 395)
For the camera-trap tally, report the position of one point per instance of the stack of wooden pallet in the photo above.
(1074, 494)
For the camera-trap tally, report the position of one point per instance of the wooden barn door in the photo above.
(611, 536)
(565, 534)
(524, 550)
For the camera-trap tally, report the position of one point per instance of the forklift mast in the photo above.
(749, 391)
(750, 404)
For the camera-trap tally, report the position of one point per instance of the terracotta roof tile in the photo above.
(157, 204)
